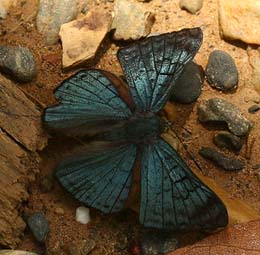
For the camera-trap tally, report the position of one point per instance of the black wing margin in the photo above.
(172, 197)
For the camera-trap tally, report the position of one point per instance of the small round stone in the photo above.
(188, 87)
(82, 215)
(222, 160)
(39, 226)
(59, 210)
(18, 63)
(254, 108)
(221, 71)
(191, 6)
(224, 139)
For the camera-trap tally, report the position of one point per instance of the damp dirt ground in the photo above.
(119, 234)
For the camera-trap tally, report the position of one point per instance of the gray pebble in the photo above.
(155, 242)
(221, 71)
(219, 110)
(191, 6)
(254, 108)
(224, 139)
(39, 226)
(188, 87)
(222, 160)
(18, 63)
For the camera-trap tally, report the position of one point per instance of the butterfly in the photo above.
(172, 197)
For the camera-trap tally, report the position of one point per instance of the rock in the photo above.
(134, 26)
(191, 6)
(82, 247)
(155, 242)
(254, 60)
(39, 226)
(20, 118)
(240, 19)
(254, 108)
(188, 86)
(16, 252)
(82, 215)
(224, 139)
(81, 38)
(219, 110)
(18, 63)
(59, 210)
(21, 135)
(47, 183)
(221, 71)
(221, 160)
(5, 6)
(52, 14)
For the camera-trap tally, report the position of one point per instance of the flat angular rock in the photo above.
(18, 63)
(131, 20)
(81, 38)
(16, 252)
(20, 118)
(219, 110)
(221, 71)
(52, 14)
(240, 19)
(191, 6)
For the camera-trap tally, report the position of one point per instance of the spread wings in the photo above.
(100, 180)
(172, 197)
(151, 66)
(86, 99)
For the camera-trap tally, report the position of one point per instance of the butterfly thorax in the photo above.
(139, 128)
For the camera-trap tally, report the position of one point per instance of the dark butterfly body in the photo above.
(172, 197)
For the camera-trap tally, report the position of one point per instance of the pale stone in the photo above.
(254, 60)
(82, 215)
(52, 14)
(82, 37)
(131, 20)
(240, 19)
(5, 6)
(191, 6)
(16, 252)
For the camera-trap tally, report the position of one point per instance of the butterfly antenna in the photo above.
(185, 147)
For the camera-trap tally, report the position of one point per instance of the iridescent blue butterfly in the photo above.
(172, 197)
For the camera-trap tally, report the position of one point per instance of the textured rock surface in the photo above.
(131, 20)
(18, 63)
(52, 14)
(240, 19)
(219, 110)
(222, 160)
(39, 226)
(254, 60)
(20, 124)
(224, 139)
(81, 38)
(188, 87)
(16, 252)
(191, 6)
(20, 118)
(221, 71)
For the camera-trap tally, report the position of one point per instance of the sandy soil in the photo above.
(118, 234)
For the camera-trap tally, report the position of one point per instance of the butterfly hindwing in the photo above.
(151, 66)
(172, 197)
(87, 98)
(100, 180)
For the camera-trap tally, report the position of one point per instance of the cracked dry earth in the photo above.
(119, 234)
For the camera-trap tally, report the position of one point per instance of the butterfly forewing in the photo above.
(152, 65)
(172, 197)
(86, 98)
